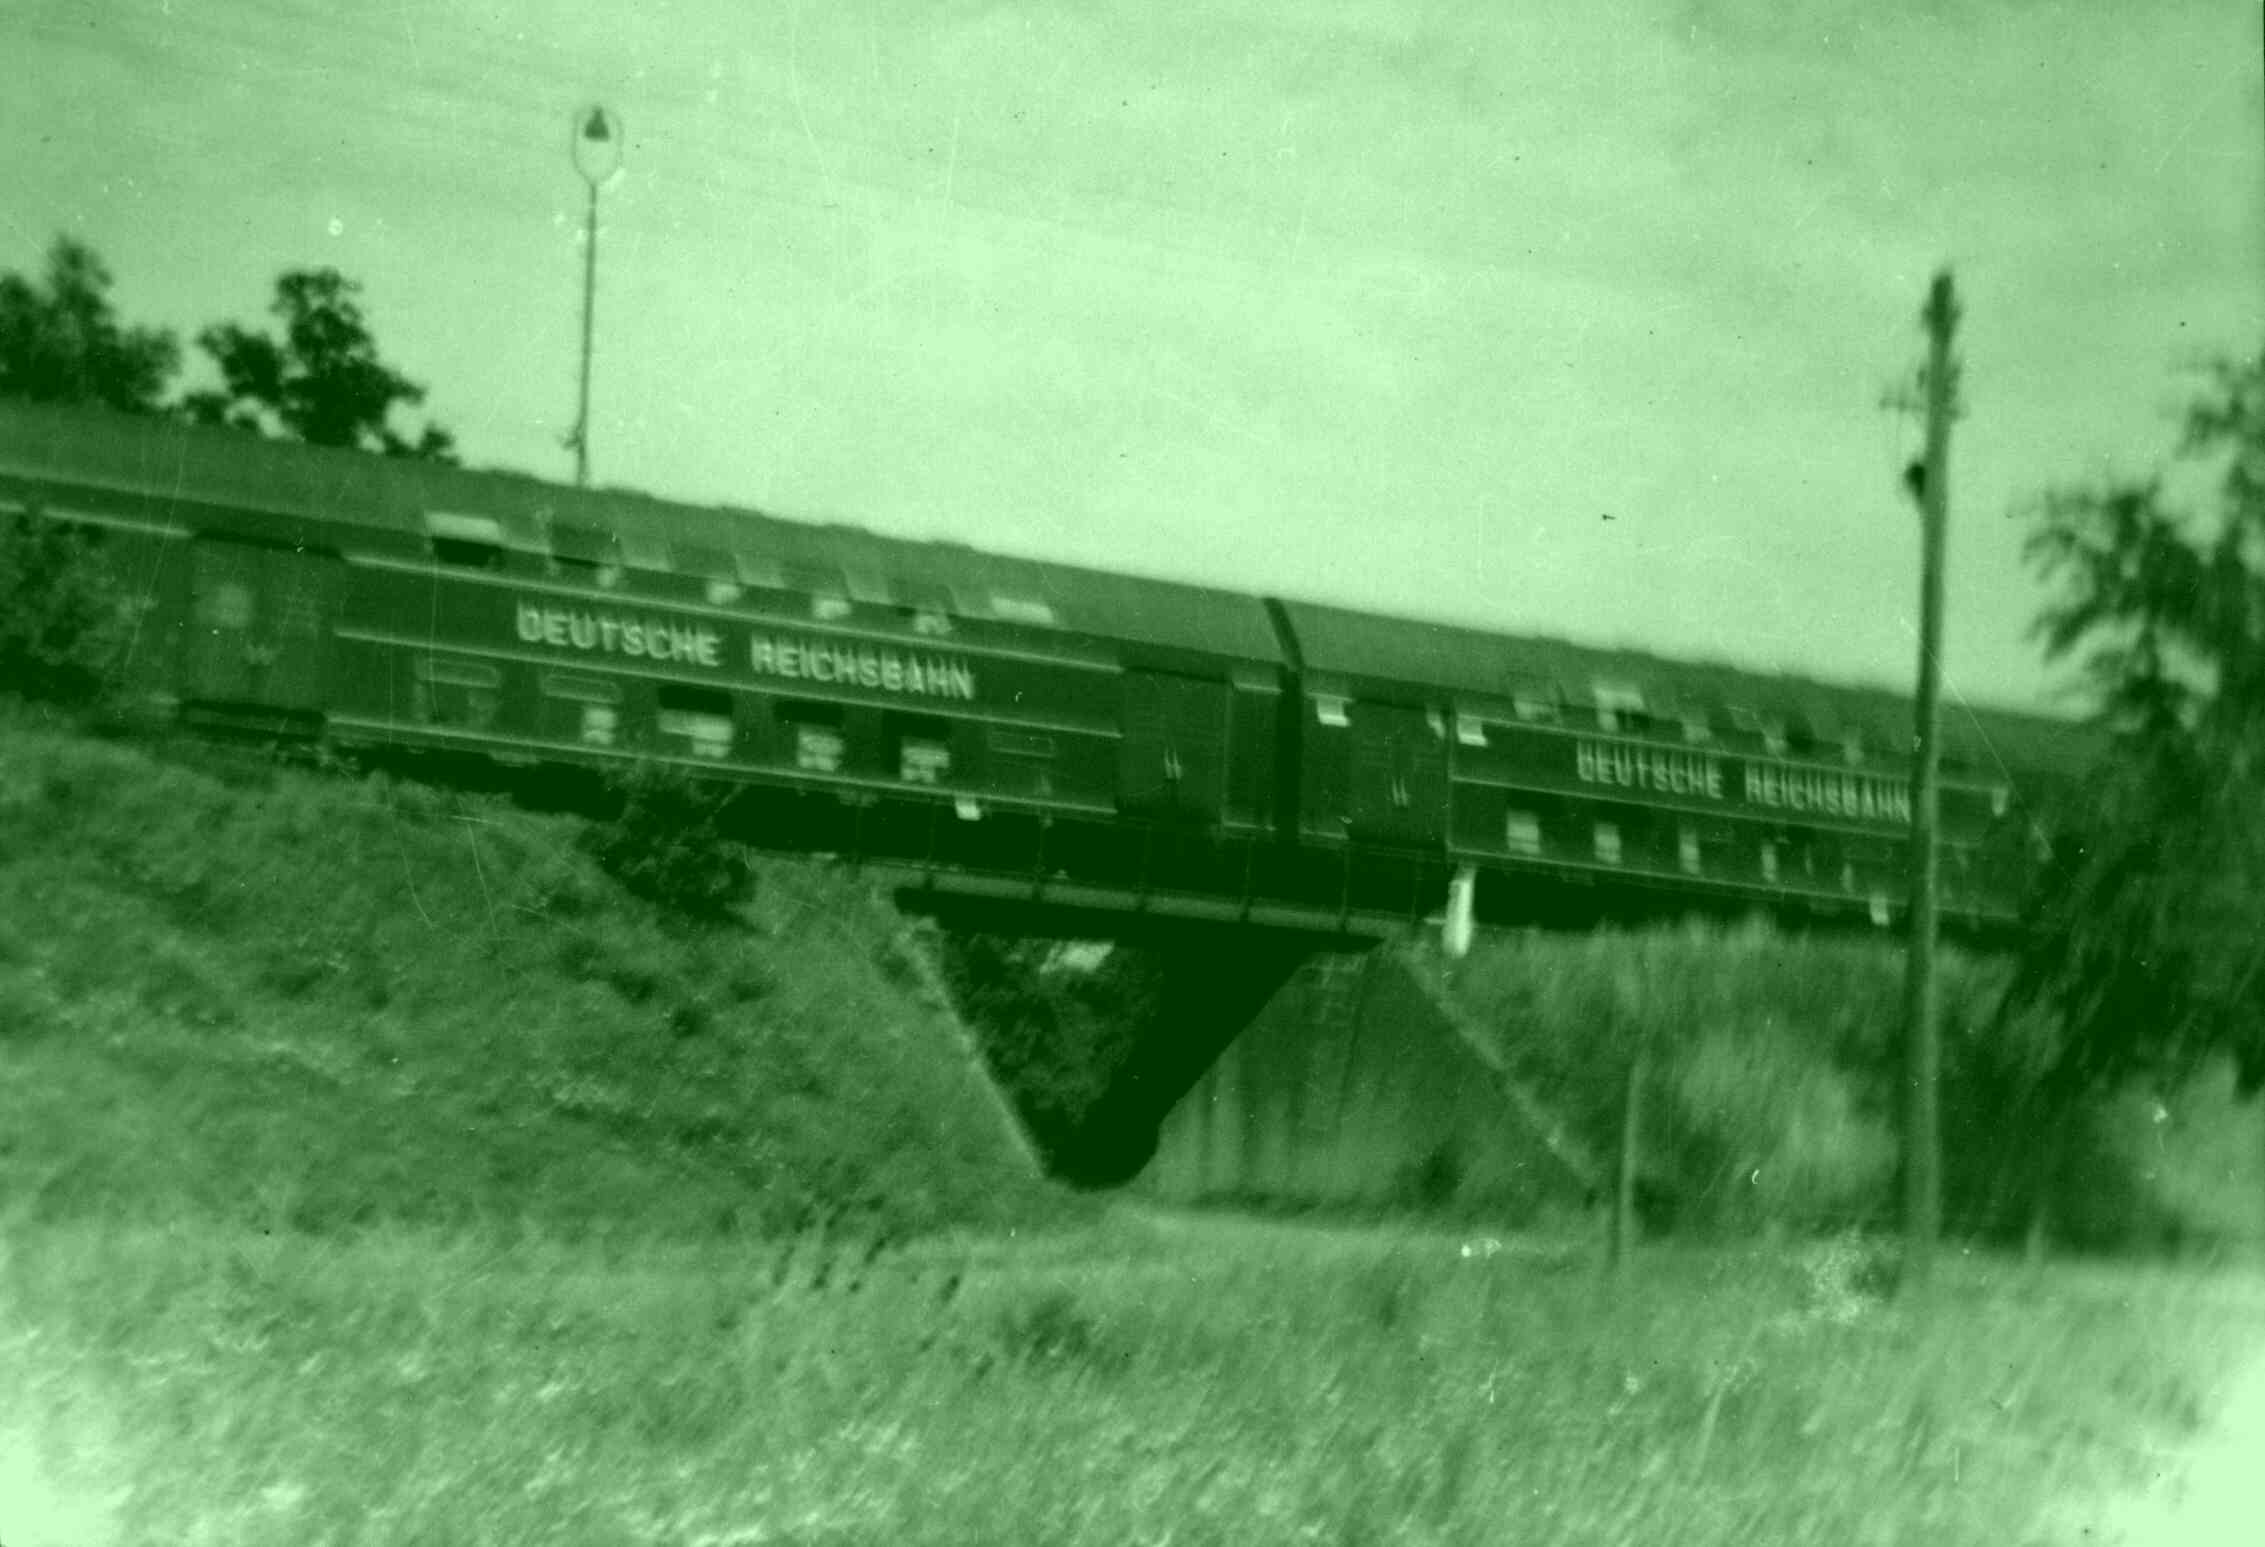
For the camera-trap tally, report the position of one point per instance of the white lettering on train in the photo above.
(1779, 786)
(653, 639)
(1639, 767)
(861, 665)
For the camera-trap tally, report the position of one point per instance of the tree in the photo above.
(321, 381)
(2146, 947)
(62, 343)
(668, 844)
(63, 623)
(1056, 1033)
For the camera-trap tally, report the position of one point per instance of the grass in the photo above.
(249, 994)
(1137, 1381)
(1775, 1105)
(374, 1170)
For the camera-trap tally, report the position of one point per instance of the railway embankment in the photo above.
(243, 992)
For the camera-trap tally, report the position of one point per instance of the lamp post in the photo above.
(597, 156)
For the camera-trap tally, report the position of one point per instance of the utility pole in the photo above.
(1622, 1241)
(597, 156)
(1922, 1062)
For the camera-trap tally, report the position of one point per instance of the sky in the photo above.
(1556, 318)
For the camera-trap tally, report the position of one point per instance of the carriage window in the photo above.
(1470, 730)
(827, 591)
(475, 542)
(1769, 728)
(1022, 609)
(1608, 843)
(1769, 861)
(1696, 728)
(927, 608)
(712, 567)
(1329, 709)
(1023, 761)
(923, 762)
(1536, 705)
(594, 708)
(644, 553)
(826, 587)
(812, 578)
(818, 739)
(1852, 747)
(584, 553)
(818, 748)
(1521, 833)
(1687, 850)
(923, 747)
(757, 573)
(1021, 744)
(450, 690)
(699, 718)
(1619, 707)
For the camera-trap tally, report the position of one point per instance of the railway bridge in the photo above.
(1008, 743)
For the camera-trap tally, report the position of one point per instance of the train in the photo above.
(1001, 726)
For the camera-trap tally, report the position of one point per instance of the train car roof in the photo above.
(175, 469)
(178, 469)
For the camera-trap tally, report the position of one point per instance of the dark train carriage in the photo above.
(406, 604)
(992, 715)
(1523, 756)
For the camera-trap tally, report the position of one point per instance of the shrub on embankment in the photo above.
(1774, 1098)
(235, 990)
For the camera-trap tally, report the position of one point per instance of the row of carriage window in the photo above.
(1854, 868)
(725, 576)
(588, 710)
(1617, 711)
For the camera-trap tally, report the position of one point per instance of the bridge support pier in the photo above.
(1212, 986)
(1362, 1086)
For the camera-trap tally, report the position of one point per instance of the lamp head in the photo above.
(597, 145)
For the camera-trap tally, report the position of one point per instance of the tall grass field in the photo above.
(1216, 1383)
(375, 1169)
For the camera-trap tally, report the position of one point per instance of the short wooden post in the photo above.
(1631, 1156)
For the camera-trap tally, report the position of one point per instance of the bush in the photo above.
(1057, 1031)
(62, 619)
(1776, 1102)
(668, 845)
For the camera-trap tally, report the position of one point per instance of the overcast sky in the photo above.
(1574, 319)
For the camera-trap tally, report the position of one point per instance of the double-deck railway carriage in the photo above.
(943, 705)
(1519, 757)
(999, 725)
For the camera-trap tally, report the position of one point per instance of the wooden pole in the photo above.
(1631, 1158)
(1922, 1138)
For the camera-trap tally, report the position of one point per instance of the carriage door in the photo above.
(1172, 760)
(259, 624)
(1399, 773)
